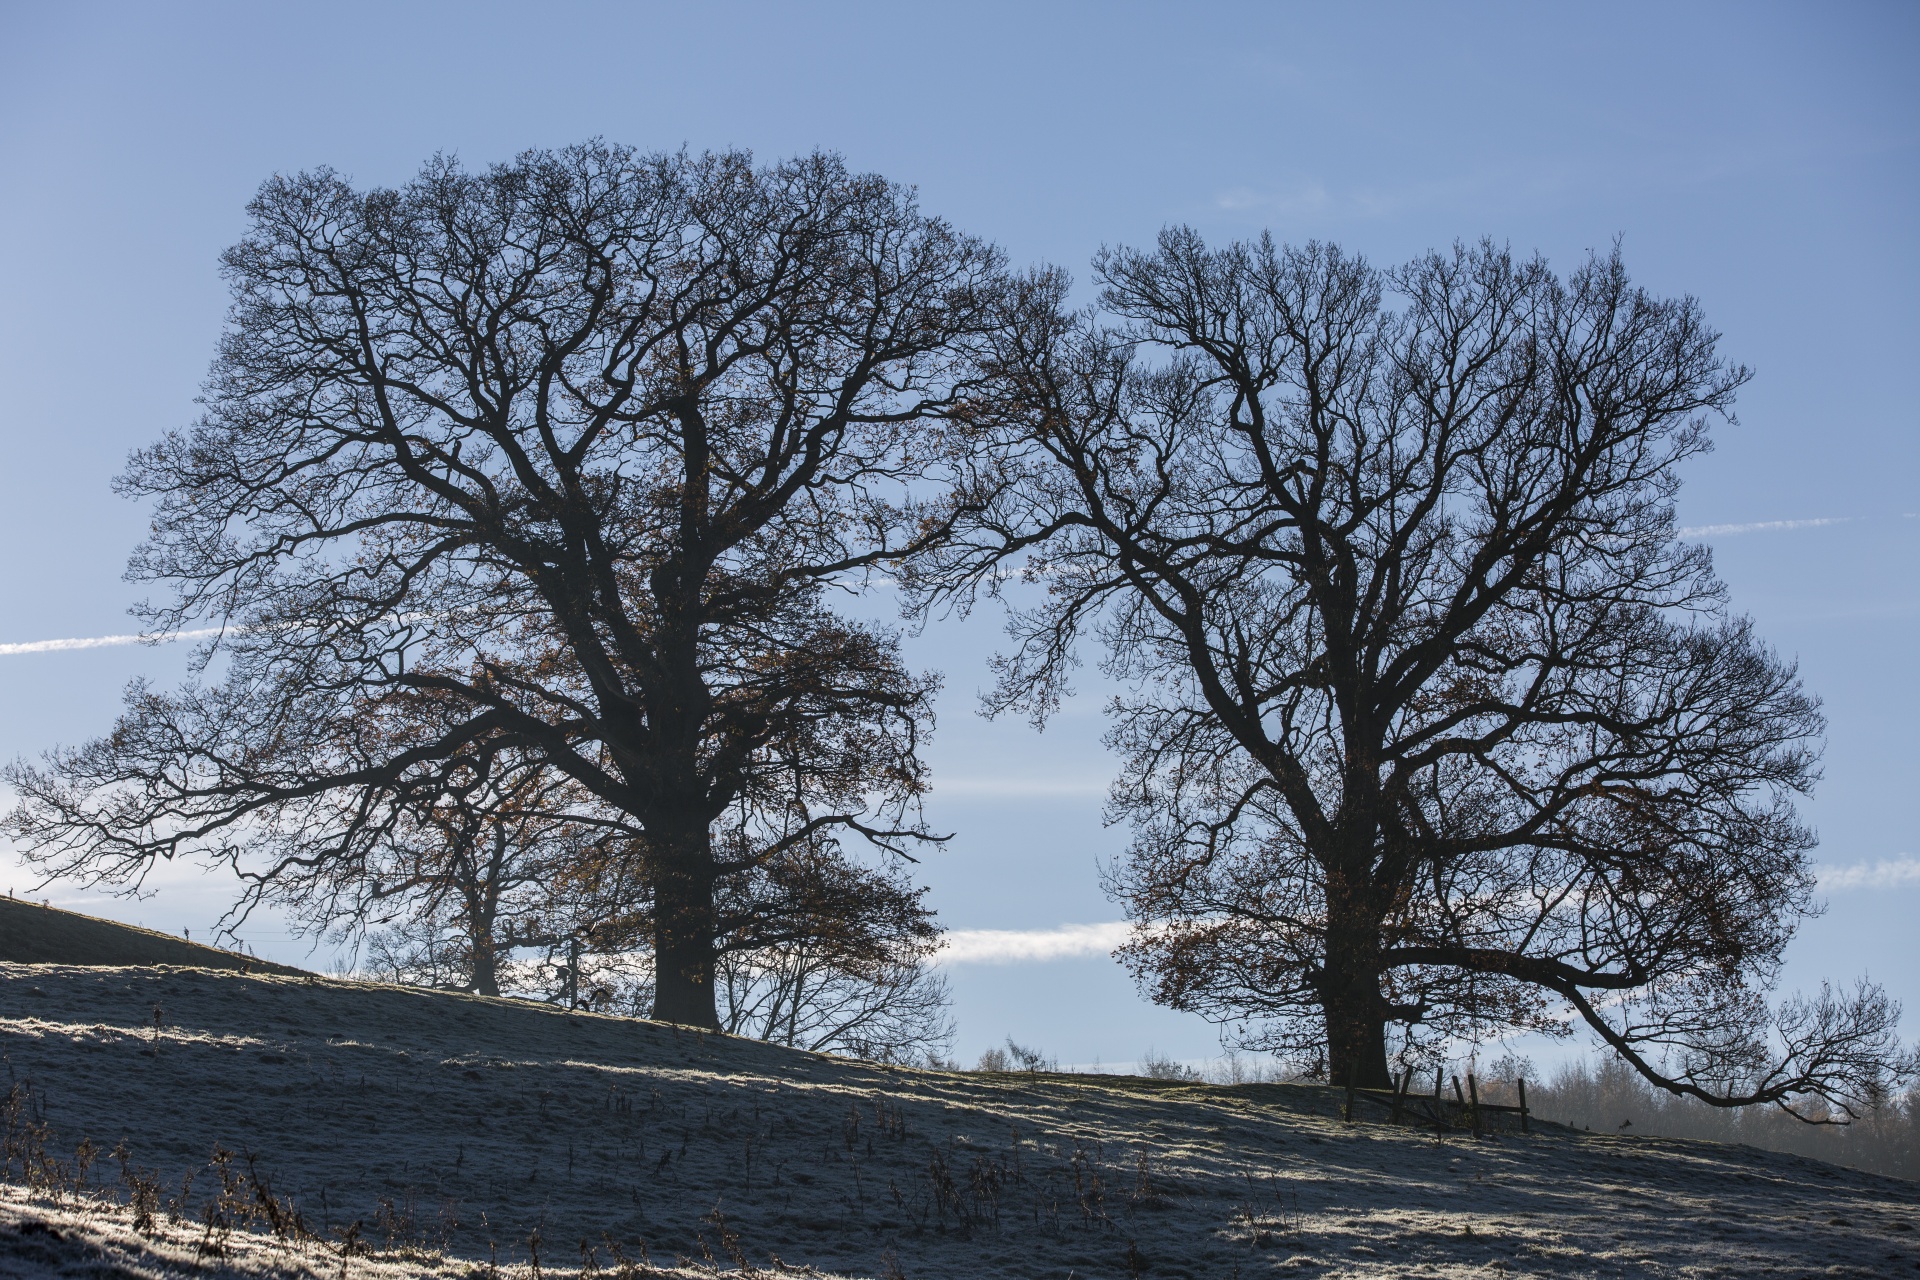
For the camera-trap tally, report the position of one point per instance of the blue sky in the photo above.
(1762, 158)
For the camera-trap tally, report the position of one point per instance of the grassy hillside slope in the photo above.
(34, 934)
(491, 1128)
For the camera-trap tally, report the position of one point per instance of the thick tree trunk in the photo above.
(486, 970)
(678, 833)
(683, 930)
(1357, 1039)
(1350, 993)
(481, 903)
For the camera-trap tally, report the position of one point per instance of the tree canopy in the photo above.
(1432, 722)
(566, 456)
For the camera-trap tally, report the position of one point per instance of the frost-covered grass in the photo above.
(452, 1133)
(1607, 1095)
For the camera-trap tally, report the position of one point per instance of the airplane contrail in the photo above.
(1758, 526)
(957, 785)
(102, 642)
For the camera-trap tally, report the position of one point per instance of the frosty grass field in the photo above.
(441, 1133)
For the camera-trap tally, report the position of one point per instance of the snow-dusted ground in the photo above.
(473, 1124)
(72, 1239)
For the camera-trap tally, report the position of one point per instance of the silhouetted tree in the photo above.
(449, 883)
(829, 956)
(573, 451)
(1432, 720)
(811, 948)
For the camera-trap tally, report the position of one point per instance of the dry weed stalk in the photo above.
(143, 1191)
(1271, 1226)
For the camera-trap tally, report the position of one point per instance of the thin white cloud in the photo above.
(1300, 197)
(1013, 788)
(1014, 946)
(1902, 872)
(99, 642)
(1758, 526)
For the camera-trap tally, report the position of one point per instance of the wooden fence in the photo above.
(1464, 1110)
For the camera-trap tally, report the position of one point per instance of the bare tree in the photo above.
(568, 453)
(836, 958)
(1433, 722)
(812, 949)
(453, 881)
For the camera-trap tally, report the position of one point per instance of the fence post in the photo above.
(1439, 1078)
(1400, 1079)
(1524, 1127)
(1473, 1093)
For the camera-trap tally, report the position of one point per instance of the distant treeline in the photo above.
(1607, 1096)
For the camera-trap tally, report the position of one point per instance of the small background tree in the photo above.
(514, 880)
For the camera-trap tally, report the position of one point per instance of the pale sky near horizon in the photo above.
(1759, 157)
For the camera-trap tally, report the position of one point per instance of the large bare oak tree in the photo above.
(1432, 721)
(566, 457)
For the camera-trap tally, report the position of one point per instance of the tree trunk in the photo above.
(486, 971)
(1350, 993)
(1357, 1039)
(683, 930)
(480, 894)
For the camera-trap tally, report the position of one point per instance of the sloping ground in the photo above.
(35, 934)
(75, 1240)
(87, 1238)
(492, 1127)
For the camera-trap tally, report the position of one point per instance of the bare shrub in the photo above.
(1155, 1067)
(1016, 1057)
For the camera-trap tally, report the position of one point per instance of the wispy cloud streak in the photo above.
(1015, 946)
(1888, 873)
(99, 642)
(1758, 526)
